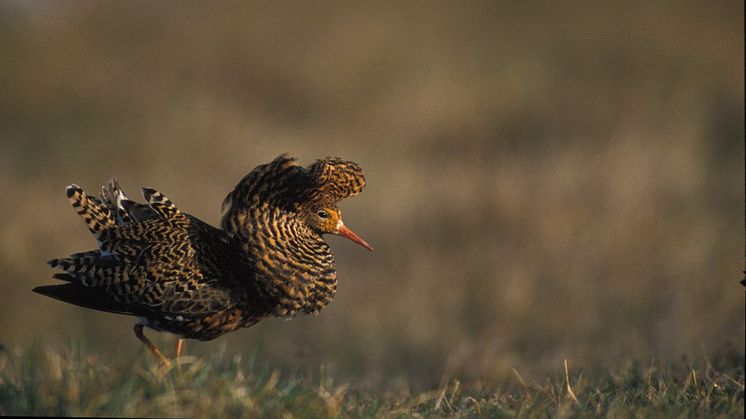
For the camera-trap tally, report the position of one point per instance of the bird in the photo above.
(176, 273)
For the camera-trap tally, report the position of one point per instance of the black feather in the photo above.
(93, 298)
(138, 212)
(65, 277)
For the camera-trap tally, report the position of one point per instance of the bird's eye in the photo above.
(322, 214)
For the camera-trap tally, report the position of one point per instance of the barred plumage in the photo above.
(181, 275)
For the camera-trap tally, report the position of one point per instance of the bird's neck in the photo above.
(292, 265)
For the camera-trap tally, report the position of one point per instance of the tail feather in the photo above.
(86, 262)
(125, 249)
(94, 298)
(137, 212)
(113, 196)
(160, 204)
(94, 213)
(66, 277)
(75, 258)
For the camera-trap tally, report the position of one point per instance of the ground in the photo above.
(47, 381)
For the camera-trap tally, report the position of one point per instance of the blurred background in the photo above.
(546, 180)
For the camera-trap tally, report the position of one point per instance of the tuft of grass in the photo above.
(65, 382)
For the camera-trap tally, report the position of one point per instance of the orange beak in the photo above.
(346, 232)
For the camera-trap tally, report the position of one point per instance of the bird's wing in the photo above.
(170, 263)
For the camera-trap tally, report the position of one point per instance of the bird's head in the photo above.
(327, 219)
(310, 194)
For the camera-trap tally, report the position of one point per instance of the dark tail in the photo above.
(88, 297)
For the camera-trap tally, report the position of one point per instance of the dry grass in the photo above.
(51, 382)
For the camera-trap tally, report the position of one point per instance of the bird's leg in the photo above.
(140, 335)
(179, 346)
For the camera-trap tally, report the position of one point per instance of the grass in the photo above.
(46, 381)
(529, 168)
(548, 180)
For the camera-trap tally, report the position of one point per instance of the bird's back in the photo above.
(154, 262)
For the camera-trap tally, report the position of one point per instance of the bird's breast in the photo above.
(294, 269)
